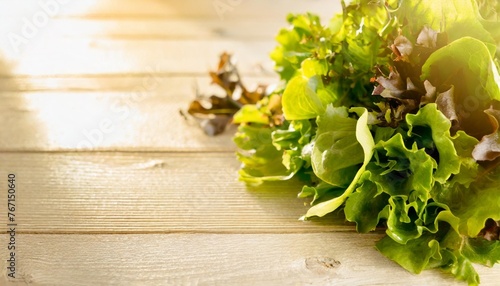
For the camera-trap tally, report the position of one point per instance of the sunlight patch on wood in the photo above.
(83, 122)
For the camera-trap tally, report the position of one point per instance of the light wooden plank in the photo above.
(143, 111)
(159, 28)
(102, 121)
(211, 259)
(149, 192)
(35, 48)
(64, 56)
(234, 9)
(181, 86)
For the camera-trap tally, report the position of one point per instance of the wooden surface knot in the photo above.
(321, 264)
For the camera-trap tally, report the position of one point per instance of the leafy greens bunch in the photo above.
(390, 113)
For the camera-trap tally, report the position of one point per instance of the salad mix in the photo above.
(390, 115)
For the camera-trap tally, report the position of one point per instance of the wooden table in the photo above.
(115, 188)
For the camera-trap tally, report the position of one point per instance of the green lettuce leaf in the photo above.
(251, 113)
(469, 168)
(330, 142)
(458, 18)
(321, 192)
(470, 57)
(490, 11)
(337, 153)
(305, 98)
(402, 162)
(414, 256)
(430, 117)
(406, 170)
(482, 251)
(294, 142)
(291, 51)
(467, 65)
(473, 204)
(397, 175)
(367, 206)
(260, 159)
(443, 248)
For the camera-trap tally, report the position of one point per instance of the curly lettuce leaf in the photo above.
(399, 180)
(292, 50)
(473, 204)
(367, 206)
(295, 144)
(397, 175)
(260, 159)
(430, 117)
(406, 170)
(414, 255)
(480, 250)
(443, 248)
(430, 251)
(469, 168)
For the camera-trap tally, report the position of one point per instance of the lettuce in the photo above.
(390, 113)
(336, 154)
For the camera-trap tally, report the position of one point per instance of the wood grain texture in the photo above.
(176, 87)
(70, 56)
(124, 38)
(211, 259)
(168, 209)
(243, 29)
(150, 192)
(142, 111)
(147, 9)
